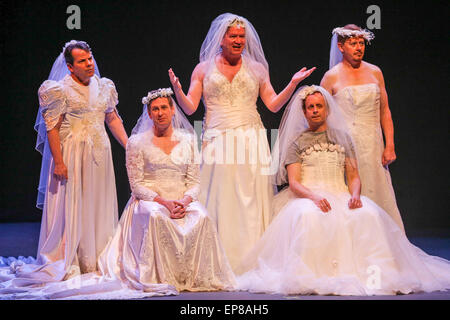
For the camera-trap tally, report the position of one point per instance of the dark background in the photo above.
(136, 42)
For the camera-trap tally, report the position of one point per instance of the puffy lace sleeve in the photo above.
(52, 102)
(192, 173)
(112, 98)
(135, 170)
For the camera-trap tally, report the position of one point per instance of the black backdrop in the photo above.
(135, 43)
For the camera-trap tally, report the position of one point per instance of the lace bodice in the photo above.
(152, 172)
(323, 167)
(230, 104)
(83, 107)
(361, 105)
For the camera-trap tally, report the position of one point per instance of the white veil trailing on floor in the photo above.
(293, 123)
(58, 72)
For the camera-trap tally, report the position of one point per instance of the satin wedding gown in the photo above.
(342, 252)
(235, 188)
(80, 214)
(361, 106)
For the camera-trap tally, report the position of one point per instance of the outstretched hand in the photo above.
(174, 80)
(302, 74)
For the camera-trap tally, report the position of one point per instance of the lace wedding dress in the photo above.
(235, 187)
(343, 252)
(149, 247)
(361, 106)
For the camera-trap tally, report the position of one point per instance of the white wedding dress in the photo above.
(235, 188)
(361, 106)
(342, 252)
(149, 247)
(79, 215)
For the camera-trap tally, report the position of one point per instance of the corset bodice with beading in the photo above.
(230, 104)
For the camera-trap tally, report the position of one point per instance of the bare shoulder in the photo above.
(374, 69)
(199, 70)
(330, 77)
(332, 73)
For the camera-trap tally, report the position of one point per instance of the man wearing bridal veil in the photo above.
(235, 183)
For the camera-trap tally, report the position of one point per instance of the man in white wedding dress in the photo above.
(235, 182)
(77, 190)
(359, 89)
(165, 235)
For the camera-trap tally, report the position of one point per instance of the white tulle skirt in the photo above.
(341, 252)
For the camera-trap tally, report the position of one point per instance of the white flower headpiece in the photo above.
(69, 43)
(348, 33)
(306, 91)
(161, 92)
(237, 22)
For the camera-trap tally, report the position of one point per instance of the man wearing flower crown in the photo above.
(77, 191)
(359, 89)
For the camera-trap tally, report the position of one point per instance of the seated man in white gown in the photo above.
(326, 238)
(165, 235)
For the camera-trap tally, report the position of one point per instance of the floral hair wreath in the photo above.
(348, 33)
(160, 93)
(69, 43)
(237, 22)
(306, 91)
(73, 42)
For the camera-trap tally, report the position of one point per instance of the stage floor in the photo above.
(22, 239)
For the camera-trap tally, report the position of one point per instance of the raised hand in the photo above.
(174, 80)
(302, 74)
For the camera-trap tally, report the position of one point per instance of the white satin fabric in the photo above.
(235, 190)
(361, 107)
(341, 252)
(80, 214)
(149, 247)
